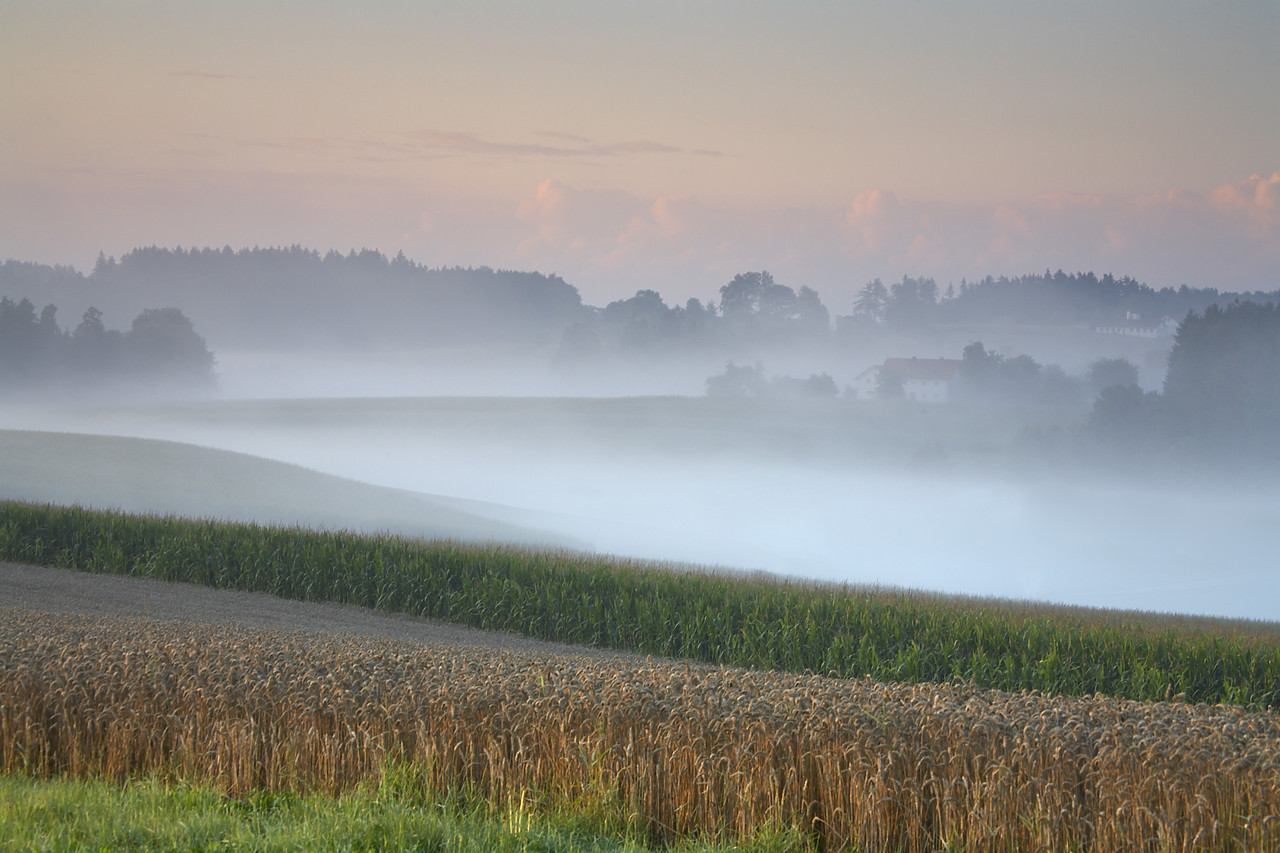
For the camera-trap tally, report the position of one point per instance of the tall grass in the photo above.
(591, 600)
(66, 814)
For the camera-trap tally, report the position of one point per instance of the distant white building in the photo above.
(1133, 326)
(924, 380)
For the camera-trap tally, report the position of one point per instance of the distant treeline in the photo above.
(160, 350)
(295, 297)
(284, 298)
(756, 309)
(1059, 299)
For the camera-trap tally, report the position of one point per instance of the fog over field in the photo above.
(793, 491)
(1055, 436)
(971, 298)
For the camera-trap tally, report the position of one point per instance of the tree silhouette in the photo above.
(1106, 372)
(872, 301)
(641, 321)
(738, 381)
(911, 302)
(37, 357)
(1224, 373)
(754, 305)
(163, 345)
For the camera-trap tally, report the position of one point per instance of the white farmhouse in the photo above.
(924, 380)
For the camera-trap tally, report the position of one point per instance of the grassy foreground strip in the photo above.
(666, 751)
(65, 814)
(729, 620)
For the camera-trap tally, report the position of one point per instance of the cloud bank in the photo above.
(1226, 237)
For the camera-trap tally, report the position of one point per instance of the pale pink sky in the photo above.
(658, 144)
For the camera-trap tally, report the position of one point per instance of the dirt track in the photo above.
(63, 591)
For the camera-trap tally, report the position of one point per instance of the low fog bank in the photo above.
(744, 485)
(537, 371)
(449, 372)
(1059, 359)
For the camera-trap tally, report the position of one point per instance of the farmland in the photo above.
(674, 612)
(935, 722)
(674, 749)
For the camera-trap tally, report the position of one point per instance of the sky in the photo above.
(663, 145)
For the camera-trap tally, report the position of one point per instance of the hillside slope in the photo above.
(163, 477)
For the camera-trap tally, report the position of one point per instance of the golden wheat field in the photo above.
(686, 750)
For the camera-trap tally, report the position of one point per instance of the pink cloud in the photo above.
(671, 214)
(1117, 239)
(582, 224)
(1267, 192)
(1009, 219)
(1257, 198)
(872, 205)
(874, 215)
(1224, 237)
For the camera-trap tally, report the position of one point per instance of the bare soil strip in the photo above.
(51, 590)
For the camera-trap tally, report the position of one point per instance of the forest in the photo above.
(292, 297)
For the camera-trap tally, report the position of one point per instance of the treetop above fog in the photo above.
(1058, 298)
(161, 351)
(297, 298)
(1221, 393)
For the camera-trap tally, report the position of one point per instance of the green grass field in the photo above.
(146, 815)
